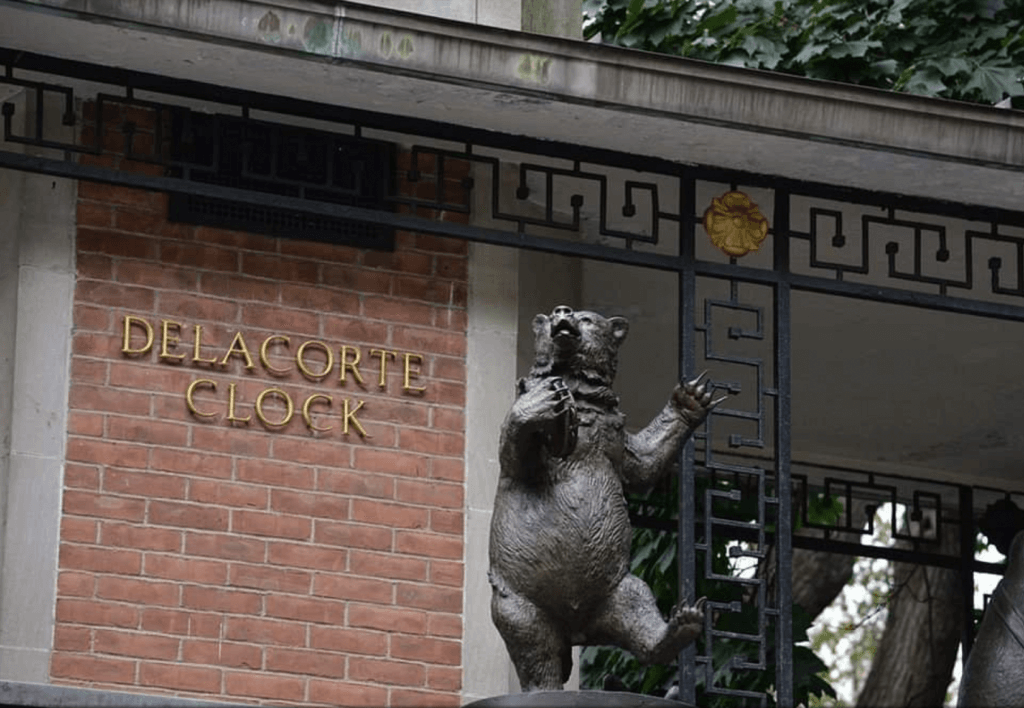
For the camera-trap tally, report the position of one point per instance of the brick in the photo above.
(281, 319)
(315, 504)
(303, 555)
(430, 493)
(306, 609)
(431, 442)
(72, 639)
(146, 538)
(88, 370)
(227, 654)
(134, 644)
(446, 521)
(454, 267)
(94, 214)
(100, 560)
(181, 622)
(281, 688)
(253, 630)
(428, 289)
(263, 577)
(181, 678)
(94, 266)
(398, 673)
(81, 476)
(147, 431)
(306, 662)
(403, 412)
(352, 695)
(92, 319)
(356, 278)
(114, 243)
(353, 535)
(449, 469)
(417, 339)
(144, 484)
(275, 474)
(140, 592)
(448, 419)
(449, 393)
(72, 583)
(193, 308)
(349, 641)
(442, 678)
(430, 545)
(390, 514)
(183, 568)
(96, 612)
(87, 344)
(444, 367)
(91, 668)
(319, 251)
(192, 516)
(387, 565)
(448, 573)
(347, 587)
(441, 244)
(86, 424)
(260, 523)
(239, 287)
(118, 195)
(199, 255)
(225, 547)
(152, 379)
(429, 597)
(191, 462)
(76, 530)
(387, 619)
(397, 310)
(227, 494)
(400, 698)
(391, 462)
(221, 600)
(280, 268)
(403, 261)
(444, 625)
(156, 275)
(357, 484)
(319, 298)
(107, 452)
(298, 450)
(144, 222)
(426, 649)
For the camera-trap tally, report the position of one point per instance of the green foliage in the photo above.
(655, 561)
(969, 50)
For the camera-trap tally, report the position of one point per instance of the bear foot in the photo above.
(684, 625)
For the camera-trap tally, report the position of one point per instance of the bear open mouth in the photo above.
(564, 329)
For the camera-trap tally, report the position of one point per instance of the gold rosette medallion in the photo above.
(735, 224)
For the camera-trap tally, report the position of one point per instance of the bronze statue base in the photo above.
(575, 699)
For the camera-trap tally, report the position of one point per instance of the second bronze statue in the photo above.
(560, 533)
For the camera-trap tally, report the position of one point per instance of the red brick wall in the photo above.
(241, 561)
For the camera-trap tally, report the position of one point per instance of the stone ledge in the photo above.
(15, 693)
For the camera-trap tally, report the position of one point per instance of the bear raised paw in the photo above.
(560, 533)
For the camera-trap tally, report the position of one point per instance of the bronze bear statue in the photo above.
(560, 532)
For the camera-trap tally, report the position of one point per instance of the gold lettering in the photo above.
(411, 373)
(265, 359)
(349, 416)
(289, 408)
(126, 345)
(353, 365)
(308, 418)
(191, 391)
(170, 338)
(307, 372)
(238, 347)
(383, 354)
(196, 355)
(231, 407)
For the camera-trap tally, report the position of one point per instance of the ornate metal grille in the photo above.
(597, 204)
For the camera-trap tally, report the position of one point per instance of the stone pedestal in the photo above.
(575, 699)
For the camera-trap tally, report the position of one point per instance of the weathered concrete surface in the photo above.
(13, 693)
(553, 88)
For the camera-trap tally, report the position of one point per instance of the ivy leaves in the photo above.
(969, 50)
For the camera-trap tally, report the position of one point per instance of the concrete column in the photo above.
(36, 294)
(557, 18)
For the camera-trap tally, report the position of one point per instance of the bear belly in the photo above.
(565, 547)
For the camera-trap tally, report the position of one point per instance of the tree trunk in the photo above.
(917, 650)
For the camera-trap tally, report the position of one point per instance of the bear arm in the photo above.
(650, 451)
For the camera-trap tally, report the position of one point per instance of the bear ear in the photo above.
(540, 324)
(619, 327)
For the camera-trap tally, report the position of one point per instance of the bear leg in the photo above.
(631, 619)
(541, 654)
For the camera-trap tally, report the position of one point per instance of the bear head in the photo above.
(577, 345)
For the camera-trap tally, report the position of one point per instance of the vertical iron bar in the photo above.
(784, 520)
(967, 567)
(687, 362)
